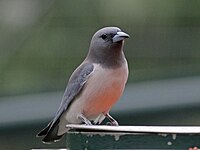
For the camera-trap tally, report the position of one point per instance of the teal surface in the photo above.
(91, 141)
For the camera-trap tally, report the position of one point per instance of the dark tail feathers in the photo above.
(50, 133)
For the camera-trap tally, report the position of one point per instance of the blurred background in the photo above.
(41, 42)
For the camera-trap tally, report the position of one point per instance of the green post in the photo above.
(88, 138)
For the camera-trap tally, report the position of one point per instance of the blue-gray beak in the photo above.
(120, 36)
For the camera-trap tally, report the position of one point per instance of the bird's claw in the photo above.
(112, 122)
(84, 120)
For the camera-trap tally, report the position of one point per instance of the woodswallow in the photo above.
(94, 87)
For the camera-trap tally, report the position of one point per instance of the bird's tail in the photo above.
(49, 133)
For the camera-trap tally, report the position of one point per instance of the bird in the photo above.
(94, 86)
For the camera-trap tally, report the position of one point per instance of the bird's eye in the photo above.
(103, 36)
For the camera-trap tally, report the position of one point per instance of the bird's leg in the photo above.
(84, 119)
(112, 122)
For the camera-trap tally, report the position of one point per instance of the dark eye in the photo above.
(104, 36)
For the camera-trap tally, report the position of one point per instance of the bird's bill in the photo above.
(120, 36)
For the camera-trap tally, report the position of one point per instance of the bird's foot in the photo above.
(84, 120)
(112, 122)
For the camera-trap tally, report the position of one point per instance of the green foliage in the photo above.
(39, 49)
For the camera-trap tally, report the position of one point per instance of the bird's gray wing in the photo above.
(75, 85)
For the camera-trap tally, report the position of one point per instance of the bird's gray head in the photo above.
(106, 46)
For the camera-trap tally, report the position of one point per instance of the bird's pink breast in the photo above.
(102, 101)
(104, 88)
